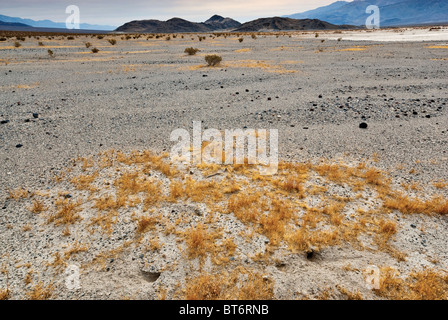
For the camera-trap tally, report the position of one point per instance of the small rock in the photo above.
(363, 125)
(19, 145)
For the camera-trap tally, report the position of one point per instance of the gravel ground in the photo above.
(131, 96)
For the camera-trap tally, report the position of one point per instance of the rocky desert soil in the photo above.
(86, 185)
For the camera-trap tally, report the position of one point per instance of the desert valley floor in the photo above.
(86, 182)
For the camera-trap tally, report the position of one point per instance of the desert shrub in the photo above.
(100, 37)
(40, 43)
(240, 39)
(213, 59)
(339, 39)
(168, 38)
(128, 37)
(17, 44)
(191, 51)
(253, 36)
(316, 35)
(3, 39)
(70, 38)
(50, 53)
(88, 44)
(112, 41)
(95, 50)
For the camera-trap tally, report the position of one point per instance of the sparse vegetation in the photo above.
(191, 51)
(95, 50)
(17, 44)
(112, 41)
(88, 45)
(213, 60)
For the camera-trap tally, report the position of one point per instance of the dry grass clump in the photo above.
(146, 223)
(95, 50)
(407, 205)
(4, 294)
(40, 292)
(356, 295)
(67, 212)
(37, 207)
(239, 285)
(429, 284)
(213, 60)
(19, 193)
(191, 51)
(200, 240)
(112, 41)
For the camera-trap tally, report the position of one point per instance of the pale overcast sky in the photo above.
(114, 12)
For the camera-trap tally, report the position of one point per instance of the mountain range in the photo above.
(215, 23)
(218, 23)
(392, 12)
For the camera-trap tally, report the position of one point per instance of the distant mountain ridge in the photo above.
(218, 23)
(392, 12)
(215, 23)
(13, 24)
(52, 24)
(285, 24)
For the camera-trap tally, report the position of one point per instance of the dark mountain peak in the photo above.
(215, 18)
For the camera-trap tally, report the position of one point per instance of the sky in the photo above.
(116, 13)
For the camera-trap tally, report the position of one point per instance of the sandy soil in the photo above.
(62, 116)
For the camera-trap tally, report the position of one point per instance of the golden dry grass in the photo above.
(300, 209)
(40, 292)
